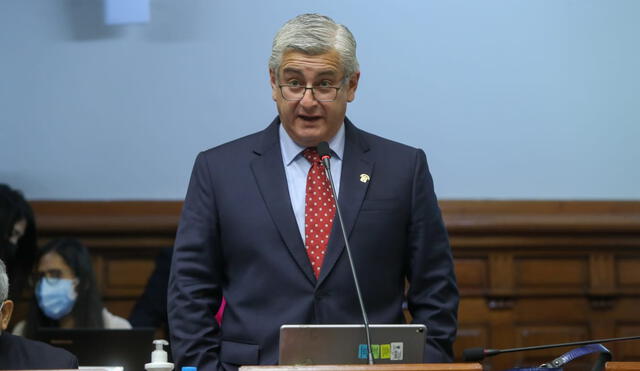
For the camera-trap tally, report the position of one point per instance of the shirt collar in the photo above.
(291, 149)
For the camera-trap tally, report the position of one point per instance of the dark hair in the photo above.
(19, 261)
(87, 310)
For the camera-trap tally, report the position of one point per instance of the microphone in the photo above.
(478, 354)
(325, 155)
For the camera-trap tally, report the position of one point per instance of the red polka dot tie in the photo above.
(319, 211)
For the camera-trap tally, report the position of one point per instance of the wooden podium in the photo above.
(385, 367)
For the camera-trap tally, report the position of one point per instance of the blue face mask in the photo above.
(56, 299)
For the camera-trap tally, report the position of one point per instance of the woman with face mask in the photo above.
(65, 292)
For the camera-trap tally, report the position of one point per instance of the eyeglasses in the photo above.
(52, 276)
(294, 91)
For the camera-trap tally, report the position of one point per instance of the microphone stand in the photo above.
(478, 354)
(324, 153)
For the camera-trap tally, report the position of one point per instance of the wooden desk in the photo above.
(622, 366)
(387, 367)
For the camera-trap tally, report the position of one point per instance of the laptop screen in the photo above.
(130, 349)
(347, 344)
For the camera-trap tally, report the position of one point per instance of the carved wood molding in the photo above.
(463, 218)
(504, 217)
(124, 218)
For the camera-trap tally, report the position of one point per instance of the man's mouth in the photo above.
(309, 118)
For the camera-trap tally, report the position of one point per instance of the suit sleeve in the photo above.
(73, 363)
(433, 294)
(194, 292)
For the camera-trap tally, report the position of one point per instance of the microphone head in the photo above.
(323, 150)
(473, 354)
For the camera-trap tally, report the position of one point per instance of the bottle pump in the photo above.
(159, 358)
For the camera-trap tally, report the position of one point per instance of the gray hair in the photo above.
(4, 282)
(315, 34)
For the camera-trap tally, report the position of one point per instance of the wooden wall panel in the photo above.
(529, 272)
(626, 271)
(552, 273)
(472, 274)
(627, 350)
(126, 276)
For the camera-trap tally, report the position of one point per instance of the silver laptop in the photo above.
(347, 344)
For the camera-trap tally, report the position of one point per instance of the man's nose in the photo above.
(308, 99)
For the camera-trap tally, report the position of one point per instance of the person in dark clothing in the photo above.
(18, 353)
(151, 308)
(17, 238)
(257, 224)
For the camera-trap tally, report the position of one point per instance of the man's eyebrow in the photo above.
(319, 74)
(291, 70)
(328, 73)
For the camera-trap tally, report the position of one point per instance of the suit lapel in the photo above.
(352, 192)
(270, 176)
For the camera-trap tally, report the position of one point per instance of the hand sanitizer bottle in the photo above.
(159, 358)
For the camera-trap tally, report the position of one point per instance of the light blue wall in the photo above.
(510, 99)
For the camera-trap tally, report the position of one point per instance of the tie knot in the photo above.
(311, 154)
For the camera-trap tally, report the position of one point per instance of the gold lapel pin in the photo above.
(364, 178)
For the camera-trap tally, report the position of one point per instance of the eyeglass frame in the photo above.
(313, 92)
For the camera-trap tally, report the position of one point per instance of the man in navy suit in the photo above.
(242, 229)
(18, 353)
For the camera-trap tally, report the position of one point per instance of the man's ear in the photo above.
(353, 85)
(5, 317)
(274, 84)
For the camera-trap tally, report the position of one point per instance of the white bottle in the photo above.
(159, 358)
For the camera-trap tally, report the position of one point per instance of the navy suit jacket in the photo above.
(238, 237)
(18, 353)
